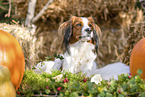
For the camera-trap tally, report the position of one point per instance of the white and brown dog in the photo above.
(80, 39)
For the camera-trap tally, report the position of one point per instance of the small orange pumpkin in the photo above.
(137, 58)
(11, 56)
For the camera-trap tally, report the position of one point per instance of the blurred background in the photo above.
(34, 23)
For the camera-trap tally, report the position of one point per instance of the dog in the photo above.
(80, 39)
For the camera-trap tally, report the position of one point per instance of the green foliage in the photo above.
(139, 71)
(58, 56)
(54, 84)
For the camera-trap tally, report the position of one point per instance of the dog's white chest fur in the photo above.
(81, 58)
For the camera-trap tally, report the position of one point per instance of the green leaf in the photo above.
(138, 79)
(74, 94)
(142, 94)
(47, 91)
(55, 54)
(33, 68)
(101, 94)
(48, 58)
(124, 86)
(40, 69)
(120, 95)
(139, 71)
(61, 95)
(90, 85)
(42, 63)
(112, 83)
(109, 95)
(133, 88)
(58, 56)
(61, 58)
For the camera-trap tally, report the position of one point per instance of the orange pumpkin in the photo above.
(11, 56)
(137, 58)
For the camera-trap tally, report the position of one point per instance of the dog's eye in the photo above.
(90, 25)
(79, 25)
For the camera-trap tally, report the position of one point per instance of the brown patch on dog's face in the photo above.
(91, 23)
(77, 25)
(95, 26)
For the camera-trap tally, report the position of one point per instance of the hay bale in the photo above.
(49, 44)
(135, 33)
(60, 10)
(111, 46)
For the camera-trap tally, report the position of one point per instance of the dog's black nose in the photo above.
(88, 30)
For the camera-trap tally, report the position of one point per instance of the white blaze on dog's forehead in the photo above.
(84, 32)
(85, 21)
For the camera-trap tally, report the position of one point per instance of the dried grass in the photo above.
(135, 33)
(104, 12)
(113, 17)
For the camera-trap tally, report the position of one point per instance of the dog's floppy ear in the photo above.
(96, 33)
(65, 33)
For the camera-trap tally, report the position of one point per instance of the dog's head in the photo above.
(79, 29)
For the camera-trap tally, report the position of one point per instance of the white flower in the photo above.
(96, 78)
(58, 77)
